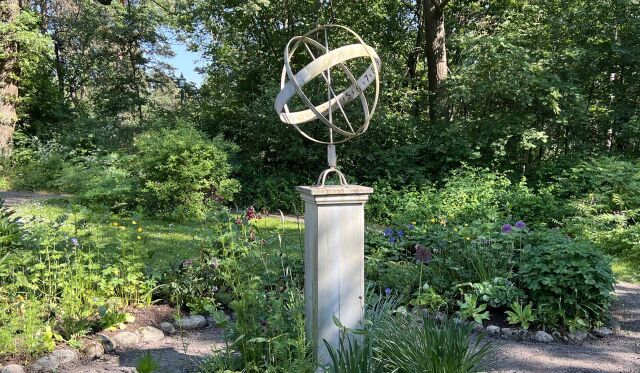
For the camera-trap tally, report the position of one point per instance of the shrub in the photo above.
(570, 277)
(35, 165)
(180, 170)
(102, 179)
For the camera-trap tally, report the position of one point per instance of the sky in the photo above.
(185, 62)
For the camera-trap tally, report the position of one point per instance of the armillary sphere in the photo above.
(323, 60)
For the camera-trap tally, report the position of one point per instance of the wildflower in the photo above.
(392, 239)
(139, 238)
(468, 238)
(252, 235)
(387, 291)
(400, 232)
(239, 221)
(411, 226)
(115, 224)
(74, 241)
(433, 220)
(423, 254)
(507, 228)
(520, 224)
(133, 222)
(187, 263)
(387, 232)
(140, 230)
(214, 289)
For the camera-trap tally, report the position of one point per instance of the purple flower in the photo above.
(520, 224)
(387, 232)
(507, 228)
(392, 239)
(75, 242)
(387, 291)
(423, 254)
(411, 227)
(400, 232)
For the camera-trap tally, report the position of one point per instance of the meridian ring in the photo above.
(333, 58)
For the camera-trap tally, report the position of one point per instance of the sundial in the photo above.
(322, 59)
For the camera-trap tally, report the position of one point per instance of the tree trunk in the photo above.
(436, 53)
(8, 85)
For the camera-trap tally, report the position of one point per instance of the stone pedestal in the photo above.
(333, 261)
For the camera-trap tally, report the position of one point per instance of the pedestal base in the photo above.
(333, 262)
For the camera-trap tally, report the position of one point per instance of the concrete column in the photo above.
(333, 261)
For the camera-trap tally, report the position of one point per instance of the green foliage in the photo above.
(571, 277)
(62, 289)
(180, 171)
(521, 315)
(470, 309)
(99, 179)
(11, 231)
(147, 364)
(498, 292)
(353, 356)
(405, 344)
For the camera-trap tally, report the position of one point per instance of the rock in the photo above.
(477, 327)
(492, 329)
(578, 335)
(65, 355)
(542, 337)
(192, 322)
(167, 327)
(510, 333)
(108, 343)
(46, 364)
(614, 325)
(12, 368)
(150, 334)
(126, 339)
(602, 332)
(93, 350)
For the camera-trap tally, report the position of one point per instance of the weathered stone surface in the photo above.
(510, 333)
(192, 322)
(108, 343)
(578, 335)
(126, 339)
(493, 329)
(477, 327)
(167, 327)
(602, 332)
(93, 349)
(543, 337)
(46, 364)
(150, 334)
(65, 355)
(12, 368)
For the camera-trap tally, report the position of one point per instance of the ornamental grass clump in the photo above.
(406, 344)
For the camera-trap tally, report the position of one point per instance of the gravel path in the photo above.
(175, 354)
(619, 353)
(18, 198)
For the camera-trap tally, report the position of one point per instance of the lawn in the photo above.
(171, 242)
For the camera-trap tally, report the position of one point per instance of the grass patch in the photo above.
(171, 242)
(624, 270)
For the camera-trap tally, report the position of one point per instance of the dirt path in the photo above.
(18, 198)
(619, 353)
